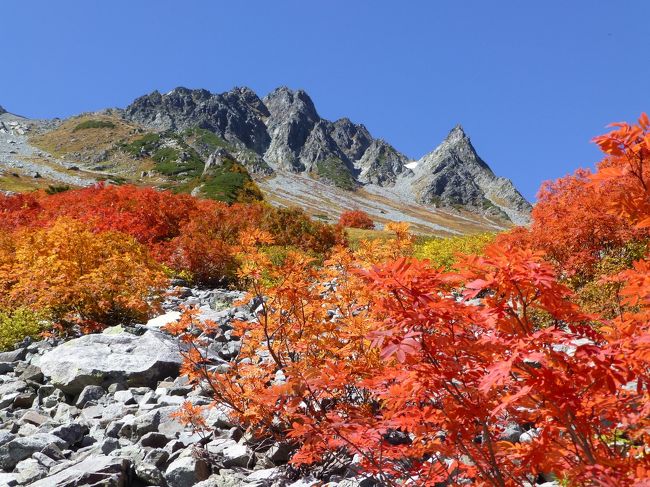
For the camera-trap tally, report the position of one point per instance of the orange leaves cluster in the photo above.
(77, 276)
(424, 374)
(356, 219)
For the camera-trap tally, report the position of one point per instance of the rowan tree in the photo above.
(356, 219)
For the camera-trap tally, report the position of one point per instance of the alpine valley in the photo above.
(236, 146)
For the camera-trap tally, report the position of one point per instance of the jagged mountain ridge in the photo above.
(285, 131)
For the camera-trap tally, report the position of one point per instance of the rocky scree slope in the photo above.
(98, 410)
(283, 133)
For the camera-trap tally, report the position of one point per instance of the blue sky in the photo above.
(531, 82)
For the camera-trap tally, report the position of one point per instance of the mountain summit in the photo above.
(284, 133)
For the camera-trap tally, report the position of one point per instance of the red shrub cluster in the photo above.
(356, 219)
(190, 235)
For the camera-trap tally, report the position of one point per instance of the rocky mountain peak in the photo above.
(457, 134)
(283, 132)
(284, 100)
(2, 110)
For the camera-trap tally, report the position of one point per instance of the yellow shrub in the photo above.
(18, 324)
(72, 274)
(443, 252)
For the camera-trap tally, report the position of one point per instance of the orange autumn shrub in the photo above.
(429, 377)
(193, 237)
(72, 274)
(356, 219)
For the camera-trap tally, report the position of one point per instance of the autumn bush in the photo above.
(70, 274)
(493, 374)
(445, 252)
(356, 219)
(194, 237)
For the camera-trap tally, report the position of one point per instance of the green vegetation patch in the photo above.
(230, 182)
(336, 172)
(18, 324)
(94, 124)
(145, 144)
(206, 142)
(172, 155)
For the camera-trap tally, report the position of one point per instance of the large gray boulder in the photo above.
(95, 470)
(18, 449)
(106, 359)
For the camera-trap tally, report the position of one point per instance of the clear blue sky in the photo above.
(531, 81)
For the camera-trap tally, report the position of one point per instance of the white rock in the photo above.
(159, 321)
(106, 359)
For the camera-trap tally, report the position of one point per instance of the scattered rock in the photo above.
(89, 393)
(95, 470)
(186, 471)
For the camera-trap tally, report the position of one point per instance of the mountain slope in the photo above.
(285, 131)
(228, 145)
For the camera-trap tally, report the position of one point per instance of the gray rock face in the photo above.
(234, 115)
(95, 470)
(283, 132)
(19, 449)
(106, 359)
(292, 118)
(454, 174)
(381, 164)
(186, 471)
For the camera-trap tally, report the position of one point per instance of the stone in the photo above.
(264, 475)
(65, 412)
(31, 373)
(53, 452)
(24, 400)
(511, 433)
(528, 436)
(186, 471)
(154, 440)
(163, 320)
(7, 399)
(237, 455)
(6, 367)
(30, 470)
(125, 397)
(6, 437)
(149, 474)
(21, 448)
(35, 418)
(157, 457)
(279, 453)
(8, 479)
(116, 387)
(71, 433)
(105, 359)
(53, 399)
(14, 355)
(140, 425)
(44, 460)
(110, 471)
(89, 393)
(109, 445)
(113, 429)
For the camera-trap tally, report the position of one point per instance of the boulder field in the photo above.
(98, 411)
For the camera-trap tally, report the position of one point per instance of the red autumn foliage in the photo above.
(431, 377)
(189, 235)
(356, 219)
